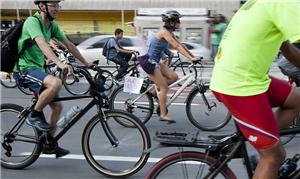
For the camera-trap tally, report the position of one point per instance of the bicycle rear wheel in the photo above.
(8, 81)
(287, 138)
(203, 117)
(76, 84)
(20, 148)
(141, 106)
(187, 165)
(124, 158)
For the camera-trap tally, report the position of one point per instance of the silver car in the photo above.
(91, 49)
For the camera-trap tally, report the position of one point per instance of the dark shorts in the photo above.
(254, 114)
(146, 65)
(32, 79)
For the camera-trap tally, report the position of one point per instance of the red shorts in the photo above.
(254, 114)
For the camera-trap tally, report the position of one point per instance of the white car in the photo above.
(196, 49)
(91, 49)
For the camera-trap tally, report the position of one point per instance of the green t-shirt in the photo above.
(251, 43)
(33, 57)
(217, 37)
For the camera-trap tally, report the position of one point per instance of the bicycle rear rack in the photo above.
(188, 139)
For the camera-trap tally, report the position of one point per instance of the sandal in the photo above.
(169, 121)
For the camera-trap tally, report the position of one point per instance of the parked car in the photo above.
(91, 49)
(196, 49)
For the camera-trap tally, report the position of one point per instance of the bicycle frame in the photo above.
(95, 101)
(188, 78)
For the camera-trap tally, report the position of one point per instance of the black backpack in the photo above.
(9, 46)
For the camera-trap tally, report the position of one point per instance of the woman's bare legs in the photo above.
(162, 77)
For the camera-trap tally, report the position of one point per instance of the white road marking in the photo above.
(98, 157)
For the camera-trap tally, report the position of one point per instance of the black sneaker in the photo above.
(58, 151)
(38, 122)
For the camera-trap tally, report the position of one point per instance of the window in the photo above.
(194, 35)
(125, 42)
(188, 46)
(99, 44)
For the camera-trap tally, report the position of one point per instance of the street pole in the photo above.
(122, 13)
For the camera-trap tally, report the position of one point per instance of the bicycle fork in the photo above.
(202, 90)
(111, 137)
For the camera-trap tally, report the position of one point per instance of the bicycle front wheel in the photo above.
(8, 81)
(141, 106)
(109, 83)
(20, 146)
(24, 90)
(114, 150)
(76, 84)
(187, 165)
(205, 111)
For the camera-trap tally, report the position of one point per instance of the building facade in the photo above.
(81, 17)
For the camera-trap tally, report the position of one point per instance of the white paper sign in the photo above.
(133, 84)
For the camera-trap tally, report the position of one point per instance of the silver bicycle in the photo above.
(202, 108)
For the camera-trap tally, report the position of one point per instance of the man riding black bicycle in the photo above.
(118, 54)
(30, 73)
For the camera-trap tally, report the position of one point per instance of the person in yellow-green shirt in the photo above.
(240, 76)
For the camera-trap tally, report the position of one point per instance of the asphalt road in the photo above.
(75, 166)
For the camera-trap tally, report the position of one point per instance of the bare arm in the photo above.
(50, 54)
(291, 53)
(72, 48)
(185, 48)
(175, 44)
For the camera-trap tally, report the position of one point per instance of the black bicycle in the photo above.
(102, 137)
(213, 163)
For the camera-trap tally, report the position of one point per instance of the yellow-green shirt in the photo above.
(250, 44)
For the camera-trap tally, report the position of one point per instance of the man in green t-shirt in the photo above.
(30, 71)
(241, 81)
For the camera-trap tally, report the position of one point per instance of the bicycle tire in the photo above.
(10, 112)
(24, 90)
(8, 82)
(287, 138)
(164, 166)
(182, 70)
(201, 116)
(76, 84)
(109, 82)
(143, 108)
(97, 149)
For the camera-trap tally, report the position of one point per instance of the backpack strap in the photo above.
(29, 43)
(111, 47)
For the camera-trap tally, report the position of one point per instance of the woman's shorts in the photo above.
(146, 65)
